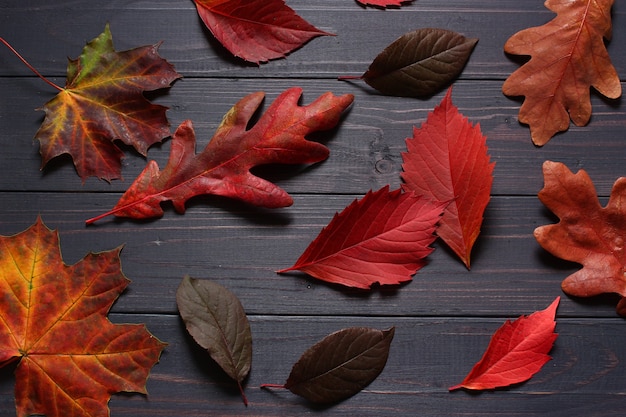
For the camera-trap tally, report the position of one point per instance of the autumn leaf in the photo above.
(102, 102)
(216, 320)
(419, 63)
(447, 160)
(568, 56)
(382, 238)
(53, 320)
(256, 30)
(340, 365)
(516, 352)
(587, 233)
(383, 3)
(223, 167)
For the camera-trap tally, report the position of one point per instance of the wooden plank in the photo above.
(241, 247)
(48, 33)
(365, 147)
(585, 376)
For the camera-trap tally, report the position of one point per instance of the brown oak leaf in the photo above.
(587, 233)
(568, 56)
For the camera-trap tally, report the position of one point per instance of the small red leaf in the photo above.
(516, 351)
(447, 160)
(256, 30)
(383, 3)
(382, 238)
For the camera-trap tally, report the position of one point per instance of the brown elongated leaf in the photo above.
(223, 167)
(568, 56)
(419, 63)
(217, 321)
(382, 238)
(340, 365)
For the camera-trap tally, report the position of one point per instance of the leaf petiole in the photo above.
(37, 73)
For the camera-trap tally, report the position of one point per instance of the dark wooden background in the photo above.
(444, 317)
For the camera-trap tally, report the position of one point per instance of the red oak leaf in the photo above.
(223, 167)
(516, 352)
(102, 102)
(382, 238)
(587, 233)
(383, 3)
(256, 30)
(53, 320)
(447, 160)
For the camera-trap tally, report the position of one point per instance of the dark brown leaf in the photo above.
(419, 63)
(340, 365)
(216, 320)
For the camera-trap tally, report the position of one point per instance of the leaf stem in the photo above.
(37, 73)
(349, 77)
(280, 386)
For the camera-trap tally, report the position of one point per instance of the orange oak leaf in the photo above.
(516, 352)
(447, 160)
(382, 238)
(223, 167)
(102, 102)
(568, 56)
(256, 30)
(53, 320)
(587, 233)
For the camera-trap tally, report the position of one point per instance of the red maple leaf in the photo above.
(447, 160)
(223, 167)
(382, 238)
(587, 233)
(256, 30)
(516, 352)
(53, 320)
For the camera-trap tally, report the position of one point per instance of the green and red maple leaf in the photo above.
(103, 102)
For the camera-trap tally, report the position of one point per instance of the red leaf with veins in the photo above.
(447, 160)
(383, 3)
(223, 167)
(516, 351)
(256, 30)
(382, 238)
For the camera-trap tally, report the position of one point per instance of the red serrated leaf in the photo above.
(447, 160)
(516, 351)
(102, 102)
(256, 30)
(382, 238)
(53, 320)
(383, 3)
(587, 233)
(223, 167)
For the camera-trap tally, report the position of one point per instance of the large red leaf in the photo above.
(223, 167)
(516, 352)
(53, 320)
(447, 160)
(587, 233)
(382, 238)
(256, 30)
(102, 102)
(568, 56)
